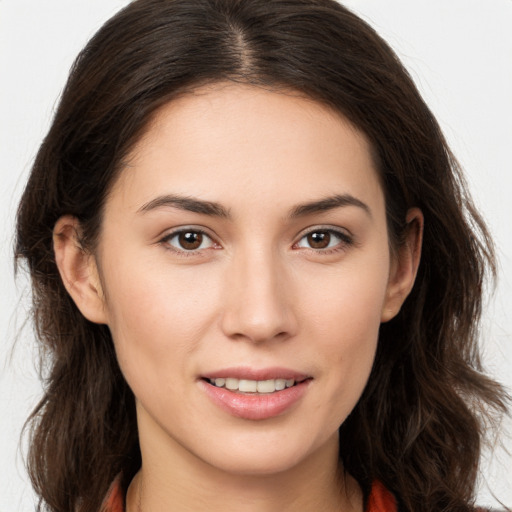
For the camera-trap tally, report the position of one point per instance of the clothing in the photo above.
(380, 499)
(114, 500)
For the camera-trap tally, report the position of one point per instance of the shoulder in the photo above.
(382, 500)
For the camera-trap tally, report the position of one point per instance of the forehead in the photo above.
(230, 138)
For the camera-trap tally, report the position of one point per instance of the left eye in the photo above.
(322, 239)
(189, 240)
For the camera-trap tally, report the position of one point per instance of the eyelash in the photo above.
(166, 242)
(344, 241)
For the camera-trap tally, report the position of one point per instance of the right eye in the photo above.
(188, 240)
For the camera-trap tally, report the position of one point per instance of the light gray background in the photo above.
(458, 51)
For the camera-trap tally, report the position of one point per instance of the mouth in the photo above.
(247, 386)
(254, 394)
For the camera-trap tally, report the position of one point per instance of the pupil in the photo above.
(190, 240)
(319, 239)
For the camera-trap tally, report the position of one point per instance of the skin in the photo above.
(256, 293)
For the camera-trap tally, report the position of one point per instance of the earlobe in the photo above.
(404, 266)
(78, 270)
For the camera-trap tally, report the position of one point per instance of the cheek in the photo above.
(344, 324)
(155, 313)
(346, 303)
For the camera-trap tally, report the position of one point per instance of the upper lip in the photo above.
(248, 373)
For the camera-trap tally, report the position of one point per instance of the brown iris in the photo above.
(190, 240)
(319, 239)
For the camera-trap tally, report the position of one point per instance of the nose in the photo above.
(258, 300)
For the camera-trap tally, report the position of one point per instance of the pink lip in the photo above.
(244, 372)
(255, 406)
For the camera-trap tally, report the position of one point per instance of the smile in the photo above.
(255, 394)
(252, 386)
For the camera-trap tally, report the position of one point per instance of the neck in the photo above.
(172, 478)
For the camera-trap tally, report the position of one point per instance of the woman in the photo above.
(257, 271)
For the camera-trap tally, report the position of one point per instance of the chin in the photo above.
(269, 455)
(262, 465)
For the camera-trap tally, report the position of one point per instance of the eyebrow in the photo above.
(187, 203)
(328, 203)
(214, 209)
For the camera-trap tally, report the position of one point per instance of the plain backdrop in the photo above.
(459, 52)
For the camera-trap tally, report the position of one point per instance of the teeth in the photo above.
(253, 386)
(247, 386)
(232, 384)
(280, 384)
(266, 386)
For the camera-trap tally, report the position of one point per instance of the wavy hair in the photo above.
(421, 421)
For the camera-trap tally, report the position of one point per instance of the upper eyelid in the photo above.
(334, 229)
(169, 233)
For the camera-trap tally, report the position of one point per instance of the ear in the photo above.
(404, 266)
(78, 270)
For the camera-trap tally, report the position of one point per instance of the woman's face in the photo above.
(244, 249)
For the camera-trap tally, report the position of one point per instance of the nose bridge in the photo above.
(258, 303)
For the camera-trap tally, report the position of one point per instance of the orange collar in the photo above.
(380, 499)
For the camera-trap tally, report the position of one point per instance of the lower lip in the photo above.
(255, 406)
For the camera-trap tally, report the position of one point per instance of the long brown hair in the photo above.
(420, 423)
